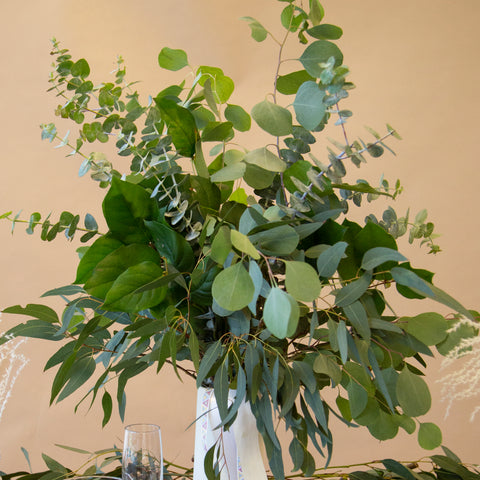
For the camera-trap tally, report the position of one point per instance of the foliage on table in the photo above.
(108, 462)
(240, 266)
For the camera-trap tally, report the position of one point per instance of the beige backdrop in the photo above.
(415, 64)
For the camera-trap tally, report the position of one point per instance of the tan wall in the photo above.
(416, 66)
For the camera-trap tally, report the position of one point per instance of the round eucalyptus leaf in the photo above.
(242, 242)
(318, 53)
(264, 158)
(429, 436)
(290, 83)
(233, 288)
(273, 118)
(239, 117)
(308, 105)
(228, 173)
(172, 59)
(280, 313)
(384, 427)
(325, 31)
(301, 281)
(429, 327)
(413, 394)
(257, 177)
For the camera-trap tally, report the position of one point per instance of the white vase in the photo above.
(240, 454)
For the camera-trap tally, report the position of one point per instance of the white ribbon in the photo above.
(240, 456)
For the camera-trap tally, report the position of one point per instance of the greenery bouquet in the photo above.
(242, 267)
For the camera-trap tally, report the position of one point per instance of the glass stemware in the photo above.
(142, 457)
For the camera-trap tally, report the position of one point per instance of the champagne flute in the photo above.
(142, 457)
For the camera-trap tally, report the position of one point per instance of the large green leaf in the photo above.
(413, 394)
(264, 158)
(95, 253)
(172, 246)
(378, 255)
(318, 53)
(242, 243)
(328, 260)
(273, 118)
(80, 372)
(123, 293)
(126, 206)
(358, 318)
(181, 126)
(429, 436)
(290, 83)
(229, 173)
(172, 59)
(114, 264)
(240, 119)
(280, 313)
(280, 240)
(38, 311)
(354, 290)
(325, 31)
(233, 288)
(217, 132)
(309, 106)
(429, 327)
(301, 281)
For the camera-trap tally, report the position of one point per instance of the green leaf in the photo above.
(413, 394)
(221, 245)
(309, 106)
(220, 388)
(171, 245)
(242, 242)
(123, 294)
(41, 312)
(265, 159)
(199, 161)
(273, 118)
(33, 329)
(80, 69)
(125, 208)
(258, 32)
(102, 247)
(399, 469)
(78, 374)
(384, 426)
(316, 13)
(429, 327)
(358, 318)
(229, 173)
(328, 260)
(212, 354)
(378, 255)
(280, 313)
(257, 177)
(217, 132)
(233, 288)
(354, 290)
(280, 240)
(181, 126)
(327, 365)
(240, 119)
(410, 279)
(53, 465)
(317, 54)
(325, 32)
(114, 264)
(107, 405)
(429, 436)
(290, 83)
(172, 59)
(301, 281)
